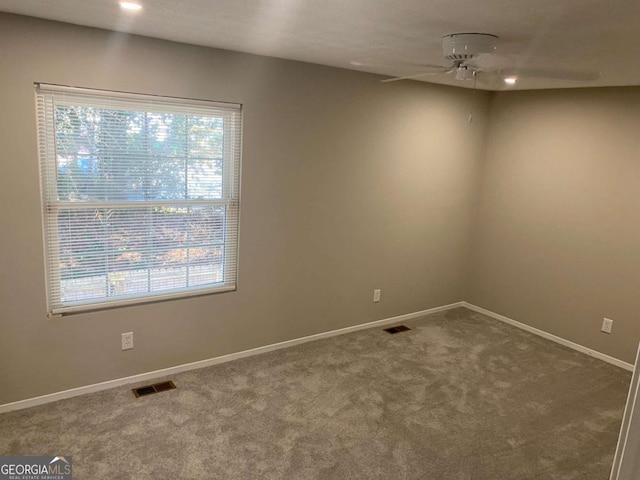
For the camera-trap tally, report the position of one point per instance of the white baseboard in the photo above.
(143, 377)
(549, 336)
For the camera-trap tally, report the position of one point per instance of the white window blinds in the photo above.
(140, 196)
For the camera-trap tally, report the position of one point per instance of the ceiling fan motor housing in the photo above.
(459, 47)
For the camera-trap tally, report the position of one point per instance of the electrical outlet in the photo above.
(376, 295)
(607, 325)
(127, 341)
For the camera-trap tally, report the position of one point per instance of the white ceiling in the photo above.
(566, 35)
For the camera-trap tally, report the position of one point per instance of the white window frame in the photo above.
(47, 97)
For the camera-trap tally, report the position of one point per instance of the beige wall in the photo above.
(348, 185)
(557, 233)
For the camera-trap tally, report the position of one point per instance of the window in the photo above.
(140, 196)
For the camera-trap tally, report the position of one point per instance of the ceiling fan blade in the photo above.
(492, 61)
(418, 75)
(396, 65)
(553, 74)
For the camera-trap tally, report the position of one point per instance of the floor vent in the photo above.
(397, 329)
(155, 388)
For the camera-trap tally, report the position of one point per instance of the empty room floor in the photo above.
(459, 396)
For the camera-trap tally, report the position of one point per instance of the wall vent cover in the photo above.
(397, 329)
(155, 388)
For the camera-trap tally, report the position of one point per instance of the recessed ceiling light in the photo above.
(130, 6)
(510, 80)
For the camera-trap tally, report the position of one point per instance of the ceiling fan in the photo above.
(471, 54)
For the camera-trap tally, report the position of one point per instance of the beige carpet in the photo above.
(460, 396)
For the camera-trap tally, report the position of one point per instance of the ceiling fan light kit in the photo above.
(463, 72)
